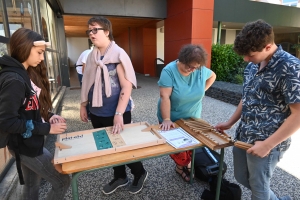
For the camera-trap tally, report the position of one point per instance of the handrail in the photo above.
(156, 65)
(159, 60)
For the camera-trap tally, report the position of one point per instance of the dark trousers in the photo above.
(36, 168)
(136, 168)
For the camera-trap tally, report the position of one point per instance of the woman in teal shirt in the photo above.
(183, 83)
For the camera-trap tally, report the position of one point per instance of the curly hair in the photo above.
(253, 37)
(21, 43)
(192, 53)
(104, 22)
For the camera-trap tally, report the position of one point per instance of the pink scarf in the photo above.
(92, 73)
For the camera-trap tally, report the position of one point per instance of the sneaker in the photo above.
(114, 184)
(138, 183)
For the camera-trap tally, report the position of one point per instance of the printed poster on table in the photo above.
(179, 138)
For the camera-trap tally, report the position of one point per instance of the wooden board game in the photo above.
(243, 145)
(96, 142)
(206, 133)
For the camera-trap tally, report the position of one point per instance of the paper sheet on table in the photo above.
(179, 138)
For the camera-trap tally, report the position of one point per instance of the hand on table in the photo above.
(222, 126)
(118, 124)
(167, 125)
(56, 119)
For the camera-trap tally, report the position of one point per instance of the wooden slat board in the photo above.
(243, 145)
(206, 133)
(83, 145)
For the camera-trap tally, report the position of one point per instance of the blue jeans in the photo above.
(255, 173)
(41, 167)
(80, 78)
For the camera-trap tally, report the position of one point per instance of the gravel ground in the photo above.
(162, 182)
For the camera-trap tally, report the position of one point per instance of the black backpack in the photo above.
(206, 164)
(228, 191)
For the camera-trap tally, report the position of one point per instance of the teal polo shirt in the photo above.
(187, 91)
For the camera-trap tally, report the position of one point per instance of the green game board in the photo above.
(102, 140)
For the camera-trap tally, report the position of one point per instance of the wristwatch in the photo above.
(118, 113)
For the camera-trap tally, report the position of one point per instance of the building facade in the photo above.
(150, 31)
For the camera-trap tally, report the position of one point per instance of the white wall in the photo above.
(160, 44)
(76, 45)
(230, 36)
(214, 35)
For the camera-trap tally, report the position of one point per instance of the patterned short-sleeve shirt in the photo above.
(266, 97)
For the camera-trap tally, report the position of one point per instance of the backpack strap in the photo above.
(18, 161)
(16, 146)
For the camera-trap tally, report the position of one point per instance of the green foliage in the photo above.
(296, 46)
(227, 65)
(238, 79)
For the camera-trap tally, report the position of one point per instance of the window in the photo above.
(19, 14)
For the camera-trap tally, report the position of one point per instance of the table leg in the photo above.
(220, 175)
(75, 176)
(75, 185)
(192, 166)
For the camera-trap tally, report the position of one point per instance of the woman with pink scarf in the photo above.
(107, 84)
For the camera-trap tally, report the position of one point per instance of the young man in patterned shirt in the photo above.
(269, 110)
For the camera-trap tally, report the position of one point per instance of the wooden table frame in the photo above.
(76, 168)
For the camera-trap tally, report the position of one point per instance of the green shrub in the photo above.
(227, 65)
(239, 79)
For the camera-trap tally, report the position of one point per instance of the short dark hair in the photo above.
(105, 23)
(253, 37)
(192, 53)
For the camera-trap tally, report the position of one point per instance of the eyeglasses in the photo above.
(191, 68)
(94, 30)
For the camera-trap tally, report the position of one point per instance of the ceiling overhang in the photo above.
(76, 25)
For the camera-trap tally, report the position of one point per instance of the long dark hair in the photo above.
(20, 45)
